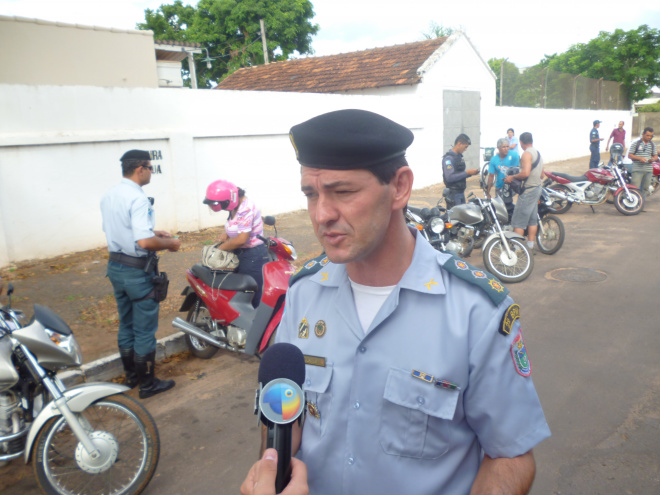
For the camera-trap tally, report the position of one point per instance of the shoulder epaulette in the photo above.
(309, 268)
(481, 278)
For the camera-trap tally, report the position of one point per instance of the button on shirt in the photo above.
(381, 430)
(127, 218)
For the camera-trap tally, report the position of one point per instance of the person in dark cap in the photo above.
(454, 172)
(128, 223)
(415, 361)
(594, 145)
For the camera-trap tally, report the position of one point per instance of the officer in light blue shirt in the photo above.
(417, 374)
(128, 223)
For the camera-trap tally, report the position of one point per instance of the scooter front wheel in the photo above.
(124, 433)
(200, 317)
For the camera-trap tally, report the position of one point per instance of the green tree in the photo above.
(508, 79)
(437, 31)
(231, 32)
(629, 57)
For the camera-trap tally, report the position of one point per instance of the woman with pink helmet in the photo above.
(241, 230)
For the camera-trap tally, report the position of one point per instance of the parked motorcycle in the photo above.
(551, 232)
(431, 223)
(89, 439)
(219, 304)
(479, 223)
(593, 187)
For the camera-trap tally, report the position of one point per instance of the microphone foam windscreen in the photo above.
(282, 360)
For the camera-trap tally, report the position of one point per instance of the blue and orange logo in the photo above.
(281, 401)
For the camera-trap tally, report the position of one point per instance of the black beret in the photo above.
(136, 155)
(349, 139)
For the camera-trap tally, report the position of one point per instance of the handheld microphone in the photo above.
(280, 402)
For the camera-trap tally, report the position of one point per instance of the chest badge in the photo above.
(320, 328)
(303, 329)
(313, 410)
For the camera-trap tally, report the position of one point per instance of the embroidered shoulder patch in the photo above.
(309, 268)
(481, 278)
(508, 319)
(519, 355)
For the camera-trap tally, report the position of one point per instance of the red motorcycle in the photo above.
(219, 304)
(593, 187)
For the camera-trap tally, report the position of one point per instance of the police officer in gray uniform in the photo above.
(455, 172)
(417, 374)
(128, 223)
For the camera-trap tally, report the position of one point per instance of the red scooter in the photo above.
(219, 304)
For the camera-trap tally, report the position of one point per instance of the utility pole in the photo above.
(263, 40)
(502, 78)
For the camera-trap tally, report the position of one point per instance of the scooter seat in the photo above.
(224, 280)
(572, 178)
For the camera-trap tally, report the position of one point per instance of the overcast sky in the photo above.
(523, 31)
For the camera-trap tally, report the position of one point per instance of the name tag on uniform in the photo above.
(315, 361)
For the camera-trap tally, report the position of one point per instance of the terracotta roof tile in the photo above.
(390, 66)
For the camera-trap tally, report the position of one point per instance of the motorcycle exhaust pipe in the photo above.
(186, 327)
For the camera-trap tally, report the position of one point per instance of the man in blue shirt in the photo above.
(594, 145)
(497, 168)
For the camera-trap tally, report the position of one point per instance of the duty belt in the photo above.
(132, 261)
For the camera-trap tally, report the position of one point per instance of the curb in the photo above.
(109, 367)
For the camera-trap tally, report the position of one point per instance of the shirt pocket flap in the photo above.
(402, 389)
(317, 378)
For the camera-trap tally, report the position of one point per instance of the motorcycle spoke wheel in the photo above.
(628, 206)
(123, 431)
(200, 317)
(510, 269)
(560, 205)
(551, 234)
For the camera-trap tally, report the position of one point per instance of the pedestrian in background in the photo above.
(594, 145)
(513, 140)
(643, 153)
(618, 135)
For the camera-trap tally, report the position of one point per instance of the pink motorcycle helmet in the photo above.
(221, 195)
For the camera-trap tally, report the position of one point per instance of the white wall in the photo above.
(60, 149)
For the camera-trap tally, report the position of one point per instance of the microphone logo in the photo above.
(281, 401)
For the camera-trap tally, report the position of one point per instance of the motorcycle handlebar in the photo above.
(266, 240)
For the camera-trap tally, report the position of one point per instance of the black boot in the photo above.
(149, 384)
(129, 367)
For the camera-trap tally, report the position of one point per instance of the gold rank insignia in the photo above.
(430, 283)
(496, 285)
(313, 410)
(320, 328)
(509, 318)
(303, 329)
(324, 276)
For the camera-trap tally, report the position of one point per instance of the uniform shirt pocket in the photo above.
(319, 398)
(416, 417)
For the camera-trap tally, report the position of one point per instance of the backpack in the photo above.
(639, 142)
(517, 186)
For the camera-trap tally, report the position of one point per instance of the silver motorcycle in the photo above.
(89, 439)
(479, 223)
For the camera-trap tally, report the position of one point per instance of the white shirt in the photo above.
(368, 301)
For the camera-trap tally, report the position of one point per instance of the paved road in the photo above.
(594, 348)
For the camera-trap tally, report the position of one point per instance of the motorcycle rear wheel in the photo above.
(559, 205)
(508, 269)
(552, 238)
(127, 437)
(629, 207)
(200, 317)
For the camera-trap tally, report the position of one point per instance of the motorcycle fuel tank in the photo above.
(467, 214)
(599, 175)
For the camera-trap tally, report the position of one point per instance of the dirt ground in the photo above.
(75, 285)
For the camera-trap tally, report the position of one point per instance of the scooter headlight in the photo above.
(437, 225)
(67, 343)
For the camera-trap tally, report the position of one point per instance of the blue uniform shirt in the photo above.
(377, 423)
(127, 217)
(594, 135)
(499, 166)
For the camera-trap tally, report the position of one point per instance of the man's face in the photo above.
(620, 125)
(597, 125)
(647, 136)
(509, 133)
(350, 211)
(462, 147)
(144, 174)
(503, 149)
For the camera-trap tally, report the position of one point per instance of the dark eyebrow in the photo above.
(331, 185)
